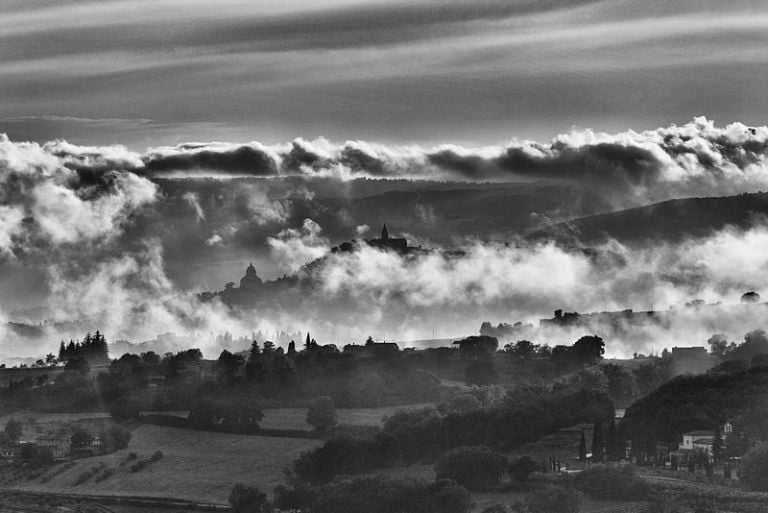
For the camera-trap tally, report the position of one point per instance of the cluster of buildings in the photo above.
(60, 446)
(252, 289)
(696, 447)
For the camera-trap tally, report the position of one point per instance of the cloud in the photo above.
(194, 202)
(409, 296)
(251, 159)
(102, 222)
(292, 248)
(63, 194)
(697, 158)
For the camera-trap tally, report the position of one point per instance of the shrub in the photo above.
(248, 499)
(553, 499)
(520, 468)
(80, 437)
(105, 475)
(13, 429)
(139, 466)
(36, 456)
(157, 456)
(116, 438)
(124, 408)
(322, 414)
(88, 474)
(476, 468)
(612, 483)
(296, 499)
(236, 414)
(391, 495)
(754, 468)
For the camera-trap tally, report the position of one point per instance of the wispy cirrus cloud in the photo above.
(306, 68)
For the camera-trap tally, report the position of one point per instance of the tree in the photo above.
(481, 372)
(322, 414)
(237, 414)
(717, 444)
(522, 349)
(248, 499)
(583, 448)
(254, 368)
(597, 442)
(754, 468)
(553, 499)
(450, 498)
(588, 349)
(14, 429)
(718, 345)
(613, 447)
(229, 366)
(80, 438)
(151, 358)
(124, 408)
(78, 364)
(612, 483)
(476, 468)
(36, 456)
(621, 384)
(295, 499)
(520, 468)
(116, 438)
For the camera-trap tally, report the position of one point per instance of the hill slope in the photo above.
(671, 220)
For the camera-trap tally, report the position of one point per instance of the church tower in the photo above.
(384, 233)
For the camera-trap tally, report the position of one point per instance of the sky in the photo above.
(145, 73)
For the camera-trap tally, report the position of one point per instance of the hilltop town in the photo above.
(252, 290)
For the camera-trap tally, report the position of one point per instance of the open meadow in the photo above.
(295, 418)
(196, 465)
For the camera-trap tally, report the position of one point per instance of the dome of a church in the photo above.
(251, 279)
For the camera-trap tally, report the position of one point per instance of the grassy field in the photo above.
(486, 500)
(295, 418)
(196, 465)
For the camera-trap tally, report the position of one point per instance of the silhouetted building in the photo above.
(387, 242)
(251, 280)
(253, 290)
(618, 319)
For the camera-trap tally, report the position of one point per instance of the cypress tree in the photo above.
(583, 448)
(717, 444)
(597, 442)
(613, 451)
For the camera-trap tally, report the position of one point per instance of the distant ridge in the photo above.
(668, 221)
